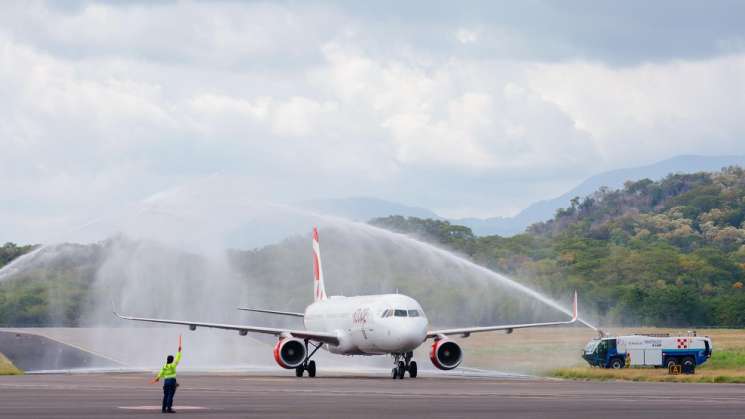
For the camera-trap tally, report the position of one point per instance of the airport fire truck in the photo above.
(658, 350)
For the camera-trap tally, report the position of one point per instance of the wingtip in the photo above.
(113, 309)
(116, 313)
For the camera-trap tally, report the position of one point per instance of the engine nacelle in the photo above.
(289, 353)
(446, 354)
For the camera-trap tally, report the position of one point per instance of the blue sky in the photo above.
(467, 108)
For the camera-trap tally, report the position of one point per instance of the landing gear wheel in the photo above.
(394, 373)
(412, 369)
(401, 370)
(299, 371)
(312, 369)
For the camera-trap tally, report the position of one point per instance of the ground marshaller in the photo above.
(168, 374)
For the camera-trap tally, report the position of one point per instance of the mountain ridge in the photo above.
(364, 208)
(613, 179)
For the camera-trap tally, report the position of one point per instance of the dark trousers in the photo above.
(169, 390)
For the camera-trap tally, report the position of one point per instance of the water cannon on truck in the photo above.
(657, 350)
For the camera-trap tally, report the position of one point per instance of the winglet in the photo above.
(113, 309)
(575, 309)
(116, 313)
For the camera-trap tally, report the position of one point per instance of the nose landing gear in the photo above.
(403, 365)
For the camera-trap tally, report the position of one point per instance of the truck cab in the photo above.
(603, 353)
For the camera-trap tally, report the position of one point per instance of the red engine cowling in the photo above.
(446, 354)
(289, 353)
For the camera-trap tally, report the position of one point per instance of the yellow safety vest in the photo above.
(169, 370)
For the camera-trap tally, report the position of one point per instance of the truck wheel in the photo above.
(669, 362)
(689, 365)
(616, 364)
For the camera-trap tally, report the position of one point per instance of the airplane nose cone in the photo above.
(411, 336)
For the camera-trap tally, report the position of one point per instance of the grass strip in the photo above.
(649, 374)
(7, 367)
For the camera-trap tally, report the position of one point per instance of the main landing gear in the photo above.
(308, 365)
(403, 365)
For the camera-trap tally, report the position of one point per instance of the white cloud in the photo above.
(466, 36)
(106, 103)
(299, 116)
(658, 109)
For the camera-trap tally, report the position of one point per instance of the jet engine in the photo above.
(446, 354)
(289, 353)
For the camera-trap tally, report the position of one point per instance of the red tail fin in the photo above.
(319, 290)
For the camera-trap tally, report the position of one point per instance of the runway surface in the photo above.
(361, 396)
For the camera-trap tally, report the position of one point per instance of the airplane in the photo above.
(386, 324)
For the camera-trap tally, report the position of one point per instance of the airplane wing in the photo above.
(466, 331)
(283, 313)
(244, 329)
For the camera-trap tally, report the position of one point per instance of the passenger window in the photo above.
(413, 313)
(400, 313)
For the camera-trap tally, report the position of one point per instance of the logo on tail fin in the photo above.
(319, 291)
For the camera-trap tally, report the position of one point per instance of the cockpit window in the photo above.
(400, 313)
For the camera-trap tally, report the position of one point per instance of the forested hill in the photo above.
(10, 251)
(666, 253)
(659, 253)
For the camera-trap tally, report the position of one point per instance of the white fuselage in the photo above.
(369, 325)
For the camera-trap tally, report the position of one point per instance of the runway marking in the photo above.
(154, 407)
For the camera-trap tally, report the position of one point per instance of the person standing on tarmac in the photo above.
(168, 374)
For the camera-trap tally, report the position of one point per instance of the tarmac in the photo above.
(335, 395)
(31, 352)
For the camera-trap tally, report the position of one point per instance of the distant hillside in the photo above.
(75, 284)
(545, 210)
(661, 253)
(665, 253)
(364, 208)
(270, 229)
